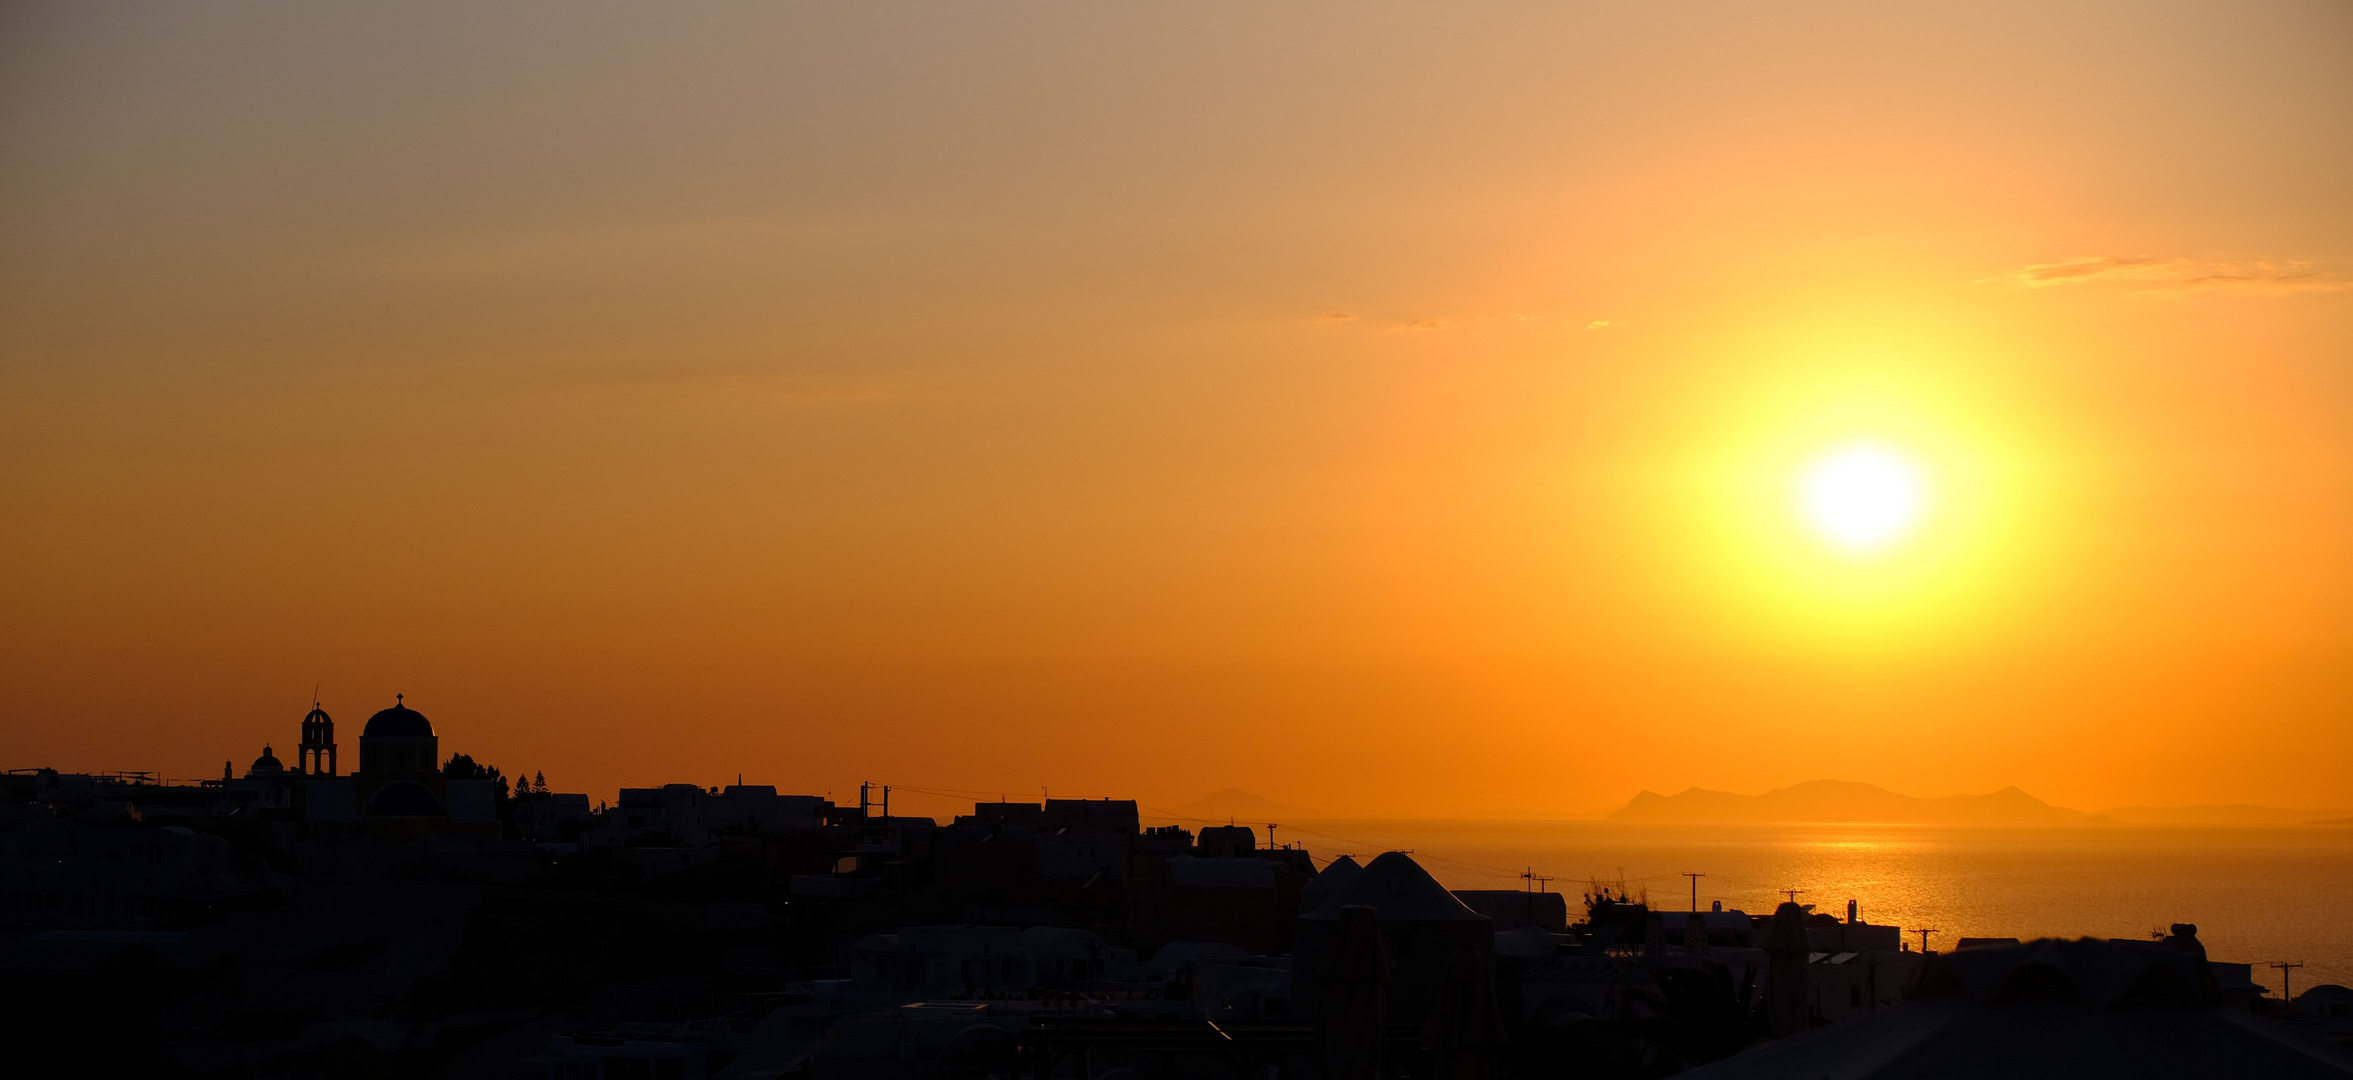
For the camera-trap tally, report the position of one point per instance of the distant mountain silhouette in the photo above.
(2234, 814)
(1840, 800)
(1243, 807)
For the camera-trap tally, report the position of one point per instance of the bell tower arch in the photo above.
(316, 755)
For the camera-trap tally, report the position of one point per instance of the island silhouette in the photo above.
(1847, 801)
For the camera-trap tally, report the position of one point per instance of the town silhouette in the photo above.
(426, 915)
(1222, 540)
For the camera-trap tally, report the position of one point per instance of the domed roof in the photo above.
(316, 713)
(404, 798)
(266, 764)
(399, 720)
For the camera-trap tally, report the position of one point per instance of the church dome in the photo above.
(404, 798)
(317, 713)
(399, 720)
(267, 764)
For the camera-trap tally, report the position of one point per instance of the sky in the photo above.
(1389, 409)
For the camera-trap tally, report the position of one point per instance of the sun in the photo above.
(1862, 498)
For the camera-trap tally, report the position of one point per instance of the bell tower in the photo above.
(316, 755)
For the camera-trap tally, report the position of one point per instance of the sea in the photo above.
(2258, 895)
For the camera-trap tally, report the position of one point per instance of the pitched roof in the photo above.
(1398, 890)
(1337, 875)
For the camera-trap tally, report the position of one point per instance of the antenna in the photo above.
(1792, 892)
(1924, 932)
(1696, 875)
(2284, 968)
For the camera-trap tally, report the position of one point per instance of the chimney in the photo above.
(1852, 918)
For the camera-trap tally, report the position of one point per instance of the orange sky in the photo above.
(1378, 407)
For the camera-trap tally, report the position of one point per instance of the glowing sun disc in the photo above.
(1862, 498)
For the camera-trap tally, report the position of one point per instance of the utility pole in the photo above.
(2283, 977)
(1695, 876)
(1924, 932)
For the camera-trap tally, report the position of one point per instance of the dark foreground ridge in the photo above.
(426, 915)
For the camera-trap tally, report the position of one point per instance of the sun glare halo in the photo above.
(1862, 498)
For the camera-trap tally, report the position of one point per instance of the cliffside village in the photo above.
(423, 915)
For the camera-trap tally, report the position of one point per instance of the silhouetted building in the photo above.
(265, 767)
(1518, 907)
(1335, 876)
(400, 789)
(348, 925)
(315, 756)
(2051, 1009)
(1421, 925)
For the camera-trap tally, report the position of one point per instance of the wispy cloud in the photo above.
(1599, 324)
(776, 387)
(804, 390)
(1467, 323)
(623, 250)
(2179, 275)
